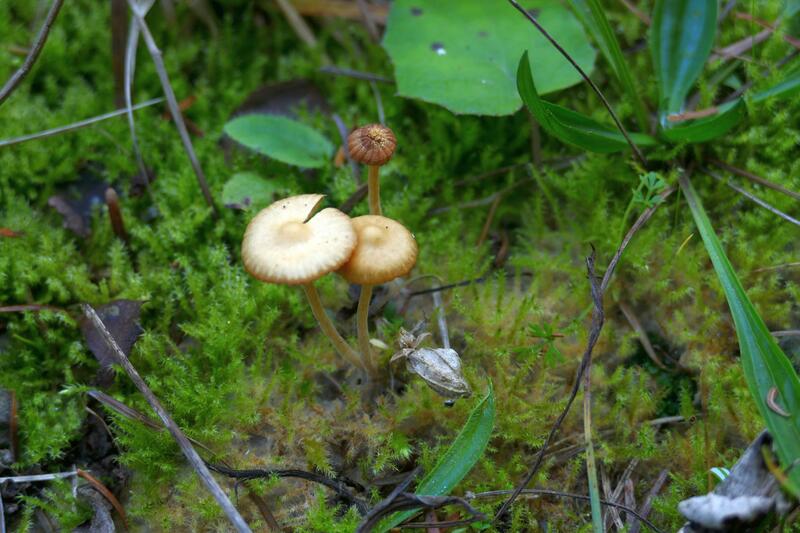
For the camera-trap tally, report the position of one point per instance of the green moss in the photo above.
(240, 364)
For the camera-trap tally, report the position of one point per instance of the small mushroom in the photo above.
(287, 243)
(386, 250)
(372, 145)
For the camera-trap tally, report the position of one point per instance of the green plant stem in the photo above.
(328, 328)
(374, 191)
(362, 324)
(591, 465)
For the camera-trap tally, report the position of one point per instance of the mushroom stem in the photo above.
(328, 328)
(374, 191)
(362, 324)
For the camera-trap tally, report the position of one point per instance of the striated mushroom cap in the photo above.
(386, 250)
(287, 243)
(372, 144)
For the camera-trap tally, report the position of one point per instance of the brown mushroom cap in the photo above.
(386, 250)
(284, 243)
(372, 144)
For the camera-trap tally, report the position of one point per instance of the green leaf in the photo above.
(765, 365)
(248, 188)
(462, 54)
(457, 461)
(788, 87)
(569, 126)
(707, 128)
(681, 38)
(593, 18)
(281, 138)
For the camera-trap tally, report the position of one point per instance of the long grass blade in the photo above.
(772, 381)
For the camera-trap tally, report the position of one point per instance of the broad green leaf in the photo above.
(247, 188)
(281, 138)
(765, 365)
(681, 38)
(593, 17)
(462, 54)
(707, 128)
(457, 461)
(788, 87)
(569, 126)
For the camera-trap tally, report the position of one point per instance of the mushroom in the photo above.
(386, 250)
(287, 243)
(372, 145)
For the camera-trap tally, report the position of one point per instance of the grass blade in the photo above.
(457, 461)
(593, 18)
(681, 39)
(766, 368)
(569, 126)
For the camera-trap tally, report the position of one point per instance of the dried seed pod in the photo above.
(440, 368)
(372, 144)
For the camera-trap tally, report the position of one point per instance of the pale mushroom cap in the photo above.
(372, 144)
(386, 250)
(285, 244)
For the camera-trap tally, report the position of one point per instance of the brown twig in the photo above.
(107, 494)
(369, 22)
(594, 333)
(647, 504)
(641, 15)
(119, 36)
(172, 101)
(33, 54)
(186, 447)
(545, 492)
(639, 155)
(641, 333)
(489, 218)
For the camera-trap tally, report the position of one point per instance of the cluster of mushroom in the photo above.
(291, 242)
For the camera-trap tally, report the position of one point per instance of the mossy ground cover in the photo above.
(241, 365)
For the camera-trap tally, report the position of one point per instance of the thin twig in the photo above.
(119, 37)
(591, 465)
(754, 178)
(186, 447)
(336, 485)
(2, 514)
(386, 502)
(33, 54)
(76, 125)
(559, 494)
(597, 320)
(786, 333)
(37, 477)
(130, 68)
(343, 133)
(647, 504)
(357, 74)
(172, 101)
(369, 22)
(441, 319)
(585, 76)
(378, 102)
(753, 198)
(642, 334)
(30, 307)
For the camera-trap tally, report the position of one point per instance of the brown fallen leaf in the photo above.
(121, 317)
(8, 232)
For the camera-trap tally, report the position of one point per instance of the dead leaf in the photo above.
(76, 201)
(283, 99)
(8, 232)
(121, 317)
